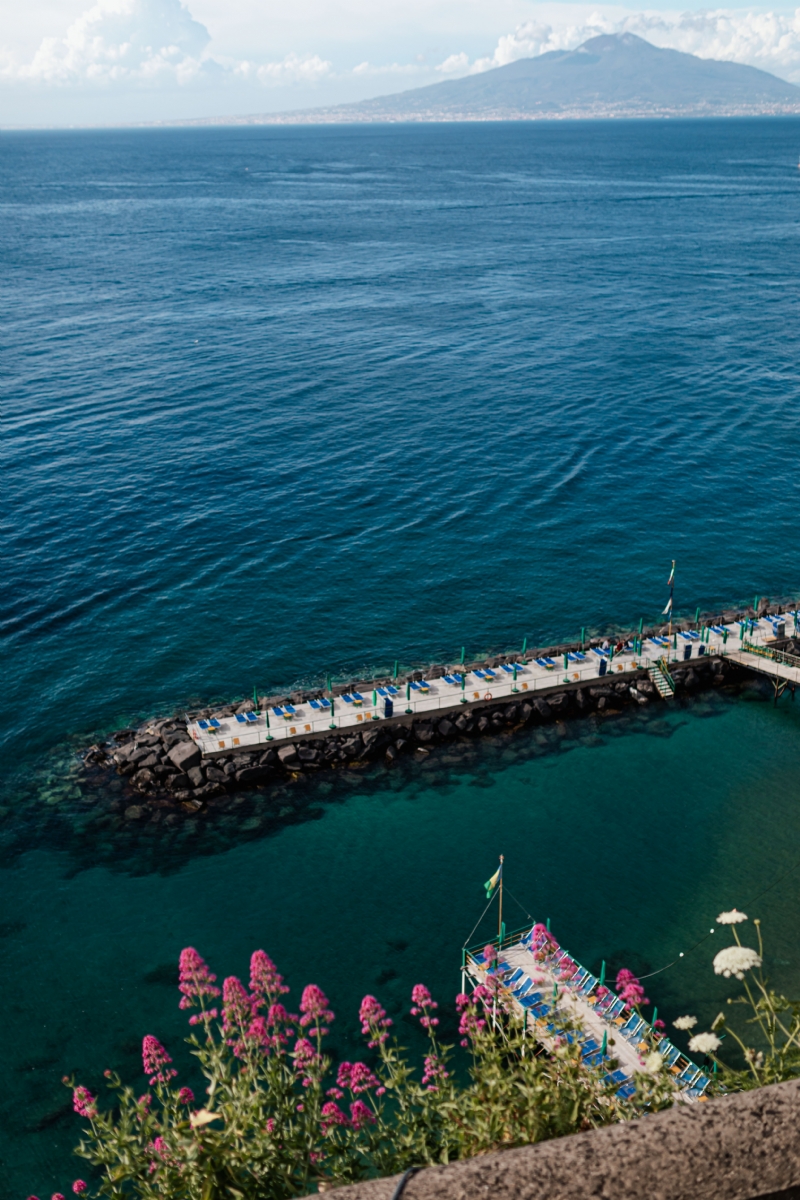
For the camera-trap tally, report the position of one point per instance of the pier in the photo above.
(753, 643)
(532, 974)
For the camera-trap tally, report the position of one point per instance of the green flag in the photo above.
(492, 883)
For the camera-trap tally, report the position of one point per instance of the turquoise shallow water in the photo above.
(283, 402)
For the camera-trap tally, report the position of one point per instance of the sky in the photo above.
(64, 63)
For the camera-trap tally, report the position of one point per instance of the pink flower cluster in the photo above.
(84, 1102)
(374, 1021)
(470, 1024)
(265, 981)
(541, 936)
(357, 1078)
(186, 1096)
(422, 1003)
(196, 984)
(237, 1013)
(434, 1073)
(630, 989)
(307, 1062)
(332, 1116)
(155, 1061)
(314, 1007)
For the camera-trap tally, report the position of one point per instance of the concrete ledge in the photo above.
(741, 1147)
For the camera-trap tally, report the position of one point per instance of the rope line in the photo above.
(477, 923)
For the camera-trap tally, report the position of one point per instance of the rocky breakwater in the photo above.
(162, 768)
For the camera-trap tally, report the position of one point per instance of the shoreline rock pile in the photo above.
(161, 763)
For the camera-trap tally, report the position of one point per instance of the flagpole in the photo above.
(500, 908)
(671, 595)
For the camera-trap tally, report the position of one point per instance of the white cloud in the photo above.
(294, 68)
(147, 41)
(767, 40)
(121, 39)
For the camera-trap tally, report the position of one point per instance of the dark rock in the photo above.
(250, 776)
(288, 756)
(230, 768)
(543, 709)
(168, 740)
(526, 711)
(400, 745)
(216, 775)
(269, 758)
(462, 723)
(134, 813)
(559, 702)
(185, 755)
(425, 735)
(308, 755)
(483, 724)
(144, 780)
(151, 760)
(446, 728)
(689, 680)
(391, 754)
(602, 703)
(178, 783)
(597, 692)
(196, 776)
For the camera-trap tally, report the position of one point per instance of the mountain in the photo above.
(614, 75)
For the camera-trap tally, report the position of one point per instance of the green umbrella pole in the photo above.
(755, 605)
(583, 635)
(641, 623)
(375, 704)
(330, 689)
(697, 616)
(655, 1018)
(409, 709)
(463, 687)
(396, 664)
(269, 735)
(463, 652)
(333, 712)
(515, 688)
(604, 1046)
(255, 698)
(602, 972)
(525, 641)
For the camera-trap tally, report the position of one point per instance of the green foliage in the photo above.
(277, 1122)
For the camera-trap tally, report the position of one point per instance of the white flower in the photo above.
(685, 1022)
(704, 1043)
(731, 918)
(735, 960)
(653, 1063)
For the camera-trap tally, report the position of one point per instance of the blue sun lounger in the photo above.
(452, 680)
(321, 703)
(718, 629)
(490, 674)
(699, 1086)
(617, 1076)
(505, 667)
(289, 710)
(575, 656)
(659, 641)
(240, 719)
(599, 652)
(278, 711)
(202, 725)
(515, 978)
(214, 723)
(545, 662)
(348, 699)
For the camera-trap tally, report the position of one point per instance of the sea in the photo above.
(284, 402)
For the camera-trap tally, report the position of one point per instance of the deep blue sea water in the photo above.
(283, 402)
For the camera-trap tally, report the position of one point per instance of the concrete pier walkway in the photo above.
(514, 680)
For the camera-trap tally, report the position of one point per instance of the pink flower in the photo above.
(374, 1021)
(541, 936)
(57, 1196)
(331, 1116)
(314, 1007)
(470, 1024)
(154, 1060)
(357, 1077)
(361, 1115)
(307, 1062)
(79, 1187)
(630, 989)
(186, 1096)
(84, 1102)
(196, 981)
(659, 1024)
(489, 954)
(434, 1071)
(422, 1001)
(265, 982)
(236, 1013)
(144, 1101)
(271, 1124)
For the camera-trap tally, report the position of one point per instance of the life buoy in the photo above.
(488, 696)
